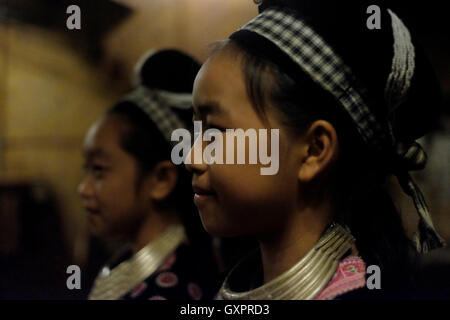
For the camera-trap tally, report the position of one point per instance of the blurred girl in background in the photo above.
(133, 192)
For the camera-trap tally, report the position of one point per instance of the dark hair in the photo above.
(358, 183)
(170, 70)
(142, 139)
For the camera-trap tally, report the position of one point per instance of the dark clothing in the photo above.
(186, 274)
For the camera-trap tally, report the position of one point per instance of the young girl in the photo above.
(133, 192)
(349, 101)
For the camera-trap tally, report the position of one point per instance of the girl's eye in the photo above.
(96, 170)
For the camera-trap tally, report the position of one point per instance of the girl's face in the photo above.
(235, 199)
(113, 204)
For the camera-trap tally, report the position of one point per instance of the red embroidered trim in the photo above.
(350, 275)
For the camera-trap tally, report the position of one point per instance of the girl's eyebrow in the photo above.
(96, 153)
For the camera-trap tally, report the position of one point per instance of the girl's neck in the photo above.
(152, 227)
(281, 250)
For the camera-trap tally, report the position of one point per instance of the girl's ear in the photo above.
(162, 180)
(320, 150)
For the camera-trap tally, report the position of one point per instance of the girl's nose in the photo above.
(85, 189)
(194, 159)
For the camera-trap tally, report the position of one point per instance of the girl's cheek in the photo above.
(98, 188)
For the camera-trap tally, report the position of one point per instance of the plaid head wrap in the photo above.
(299, 41)
(159, 105)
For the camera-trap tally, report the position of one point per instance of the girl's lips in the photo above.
(202, 195)
(92, 211)
(202, 191)
(200, 199)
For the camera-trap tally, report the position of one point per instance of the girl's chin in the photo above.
(217, 229)
(212, 227)
(98, 230)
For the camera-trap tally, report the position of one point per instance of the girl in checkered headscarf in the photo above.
(349, 101)
(134, 193)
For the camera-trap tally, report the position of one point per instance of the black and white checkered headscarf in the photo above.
(159, 105)
(299, 41)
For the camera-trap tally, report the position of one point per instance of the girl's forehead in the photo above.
(103, 136)
(219, 76)
(223, 62)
